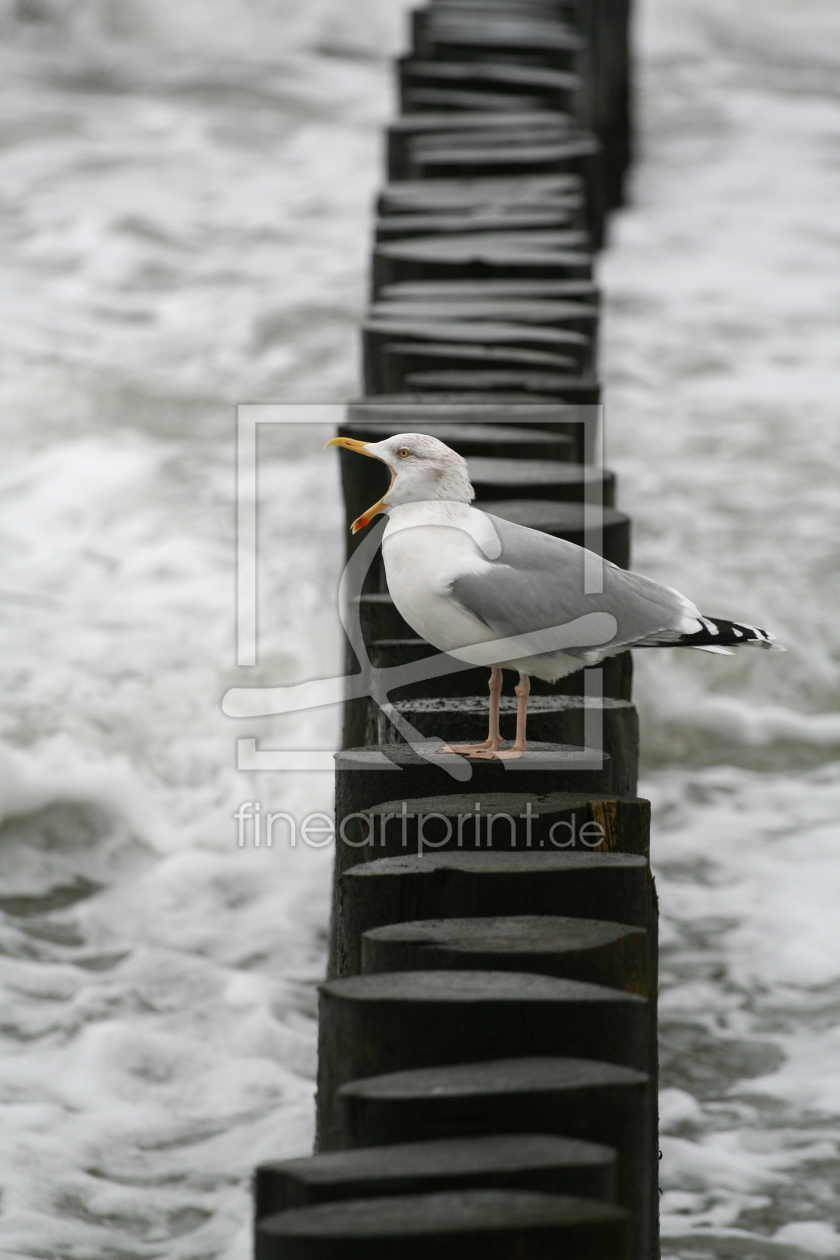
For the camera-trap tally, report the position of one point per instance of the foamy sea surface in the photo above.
(184, 211)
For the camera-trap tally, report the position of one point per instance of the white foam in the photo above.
(199, 236)
(720, 385)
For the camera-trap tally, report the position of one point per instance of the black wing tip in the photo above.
(718, 632)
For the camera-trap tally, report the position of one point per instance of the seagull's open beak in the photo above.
(361, 448)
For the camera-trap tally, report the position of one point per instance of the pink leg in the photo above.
(519, 746)
(493, 741)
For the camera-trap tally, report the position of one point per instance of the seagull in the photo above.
(494, 593)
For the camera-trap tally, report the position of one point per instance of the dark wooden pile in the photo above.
(487, 1051)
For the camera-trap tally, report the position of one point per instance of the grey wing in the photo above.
(537, 582)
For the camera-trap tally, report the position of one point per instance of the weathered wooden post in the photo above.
(488, 1055)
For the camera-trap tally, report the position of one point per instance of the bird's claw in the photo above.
(488, 751)
(468, 750)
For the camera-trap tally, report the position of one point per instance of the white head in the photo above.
(422, 468)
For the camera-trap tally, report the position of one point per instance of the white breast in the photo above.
(426, 546)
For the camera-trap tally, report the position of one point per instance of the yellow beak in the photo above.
(352, 444)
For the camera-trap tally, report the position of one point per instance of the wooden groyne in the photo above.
(487, 1076)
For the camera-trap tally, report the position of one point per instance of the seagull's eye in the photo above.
(403, 452)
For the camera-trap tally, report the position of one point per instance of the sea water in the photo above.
(185, 215)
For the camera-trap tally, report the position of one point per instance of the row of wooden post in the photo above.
(487, 1042)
